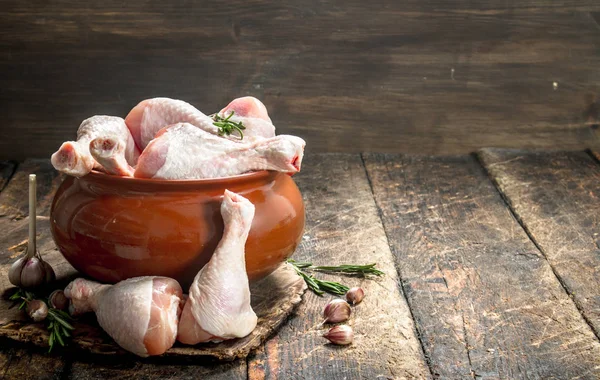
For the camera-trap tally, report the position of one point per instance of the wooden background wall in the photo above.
(391, 76)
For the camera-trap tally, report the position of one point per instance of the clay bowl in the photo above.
(112, 228)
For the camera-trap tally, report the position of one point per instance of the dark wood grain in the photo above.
(557, 199)
(139, 370)
(485, 301)
(18, 362)
(343, 227)
(26, 364)
(432, 77)
(7, 169)
(14, 198)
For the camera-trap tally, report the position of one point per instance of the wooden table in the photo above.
(492, 266)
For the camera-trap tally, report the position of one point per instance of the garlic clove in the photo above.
(33, 273)
(336, 311)
(14, 273)
(355, 296)
(50, 275)
(37, 310)
(341, 335)
(58, 300)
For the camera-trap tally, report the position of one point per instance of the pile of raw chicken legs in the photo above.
(165, 138)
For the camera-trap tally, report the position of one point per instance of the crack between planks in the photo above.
(537, 245)
(248, 363)
(10, 176)
(464, 325)
(401, 286)
(594, 157)
(6, 367)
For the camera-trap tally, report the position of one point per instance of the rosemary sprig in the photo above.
(58, 321)
(226, 126)
(319, 287)
(353, 269)
(59, 327)
(22, 296)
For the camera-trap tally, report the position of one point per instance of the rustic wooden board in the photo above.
(556, 196)
(342, 226)
(431, 77)
(273, 298)
(485, 301)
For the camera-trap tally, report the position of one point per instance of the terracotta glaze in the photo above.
(112, 228)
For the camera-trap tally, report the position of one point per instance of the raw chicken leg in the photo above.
(151, 115)
(218, 306)
(253, 114)
(74, 158)
(109, 153)
(182, 151)
(141, 314)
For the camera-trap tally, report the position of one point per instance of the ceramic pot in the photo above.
(112, 228)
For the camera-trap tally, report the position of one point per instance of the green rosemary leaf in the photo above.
(227, 127)
(299, 264)
(333, 287)
(59, 338)
(51, 340)
(60, 319)
(354, 269)
(65, 332)
(16, 296)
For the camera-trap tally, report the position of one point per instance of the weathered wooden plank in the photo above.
(7, 169)
(20, 363)
(556, 196)
(14, 198)
(141, 370)
(25, 364)
(485, 301)
(450, 76)
(342, 226)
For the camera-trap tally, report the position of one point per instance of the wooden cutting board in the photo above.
(273, 300)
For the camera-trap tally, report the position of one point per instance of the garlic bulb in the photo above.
(341, 335)
(30, 272)
(37, 310)
(355, 296)
(336, 311)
